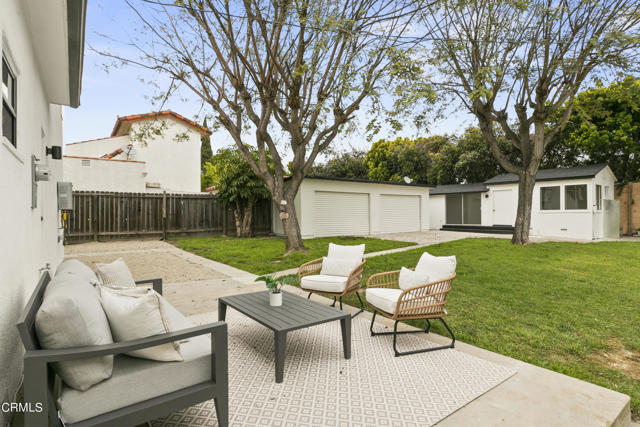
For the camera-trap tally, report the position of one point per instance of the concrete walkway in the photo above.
(532, 397)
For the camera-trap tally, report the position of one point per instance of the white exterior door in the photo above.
(399, 213)
(340, 214)
(505, 205)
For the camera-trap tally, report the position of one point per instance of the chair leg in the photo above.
(334, 302)
(424, 350)
(361, 306)
(340, 303)
(309, 296)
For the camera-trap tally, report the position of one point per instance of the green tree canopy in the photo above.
(236, 185)
(206, 153)
(604, 127)
(343, 165)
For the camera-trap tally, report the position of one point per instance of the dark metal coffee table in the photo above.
(295, 313)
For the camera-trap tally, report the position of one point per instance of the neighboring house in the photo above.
(42, 47)
(344, 206)
(567, 202)
(168, 162)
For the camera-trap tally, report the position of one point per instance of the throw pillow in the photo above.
(353, 253)
(438, 267)
(338, 266)
(409, 278)
(115, 274)
(71, 316)
(74, 266)
(138, 313)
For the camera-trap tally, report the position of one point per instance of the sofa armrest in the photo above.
(156, 283)
(73, 353)
(388, 279)
(309, 268)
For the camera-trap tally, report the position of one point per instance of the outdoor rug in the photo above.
(321, 388)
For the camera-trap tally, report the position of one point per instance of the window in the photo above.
(8, 102)
(463, 208)
(575, 196)
(598, 197)
(550, 198)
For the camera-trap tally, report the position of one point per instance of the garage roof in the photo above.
(367, 181)
(577, 172)
(459, 188)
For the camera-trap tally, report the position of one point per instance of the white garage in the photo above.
(343, 207)
(338, 213)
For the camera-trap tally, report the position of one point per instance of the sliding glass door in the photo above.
(463, 208)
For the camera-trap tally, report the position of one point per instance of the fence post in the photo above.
(224, 218)
(164, 215)
(94, 216)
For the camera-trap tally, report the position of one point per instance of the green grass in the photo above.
(555, 305)
(261, 255)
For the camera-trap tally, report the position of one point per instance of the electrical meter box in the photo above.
(65, 196)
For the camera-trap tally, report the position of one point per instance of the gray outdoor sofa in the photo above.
(138, 391)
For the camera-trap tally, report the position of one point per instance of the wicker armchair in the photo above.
(352, 286)
(419, 302)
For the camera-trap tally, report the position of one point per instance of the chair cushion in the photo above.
(409, 278)
(74, 266)
(115, 274)
(338, 266)
(324, 283)
(138, 313)
(135, 380)
(353, 253)
(71, 316)
(385, 299)
(437, 267)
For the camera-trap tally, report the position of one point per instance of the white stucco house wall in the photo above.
(575, 203)
(168, 162)
(42, 45)
(347, 207)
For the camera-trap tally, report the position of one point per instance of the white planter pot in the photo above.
(275, 300)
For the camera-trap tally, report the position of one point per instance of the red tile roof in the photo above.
(165, 113)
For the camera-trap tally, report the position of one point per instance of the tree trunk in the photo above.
(236, 213)
(526, 184)
(293, 237)
(246, 220)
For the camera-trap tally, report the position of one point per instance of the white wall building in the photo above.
(342, 206)
(42, 45)
(567, 203)
(166, 162)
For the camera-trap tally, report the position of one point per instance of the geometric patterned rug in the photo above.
(321, 388)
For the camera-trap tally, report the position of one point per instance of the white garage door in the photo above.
(340, 214)
(399, 213)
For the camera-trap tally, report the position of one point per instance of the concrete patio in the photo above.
(532, 397)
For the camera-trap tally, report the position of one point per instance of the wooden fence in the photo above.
(629, 198)
(106, 215)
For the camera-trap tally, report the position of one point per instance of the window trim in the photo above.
(559, 187)
(12, 102)
(599, 197)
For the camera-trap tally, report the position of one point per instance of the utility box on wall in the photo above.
(65, 196)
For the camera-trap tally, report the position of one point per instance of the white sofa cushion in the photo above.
(338, 266)
(74, 266)
(353, 253)
(115, 274)
(409, 278)
(71, 316)
(324, 283)
(385, 299)
(437, 267)
(139, 313)
(135, 380)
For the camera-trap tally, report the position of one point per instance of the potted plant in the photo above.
(275, 289)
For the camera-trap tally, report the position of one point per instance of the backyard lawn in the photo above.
(262, 255)
(570, 307)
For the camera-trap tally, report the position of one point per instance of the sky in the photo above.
(122, 91)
